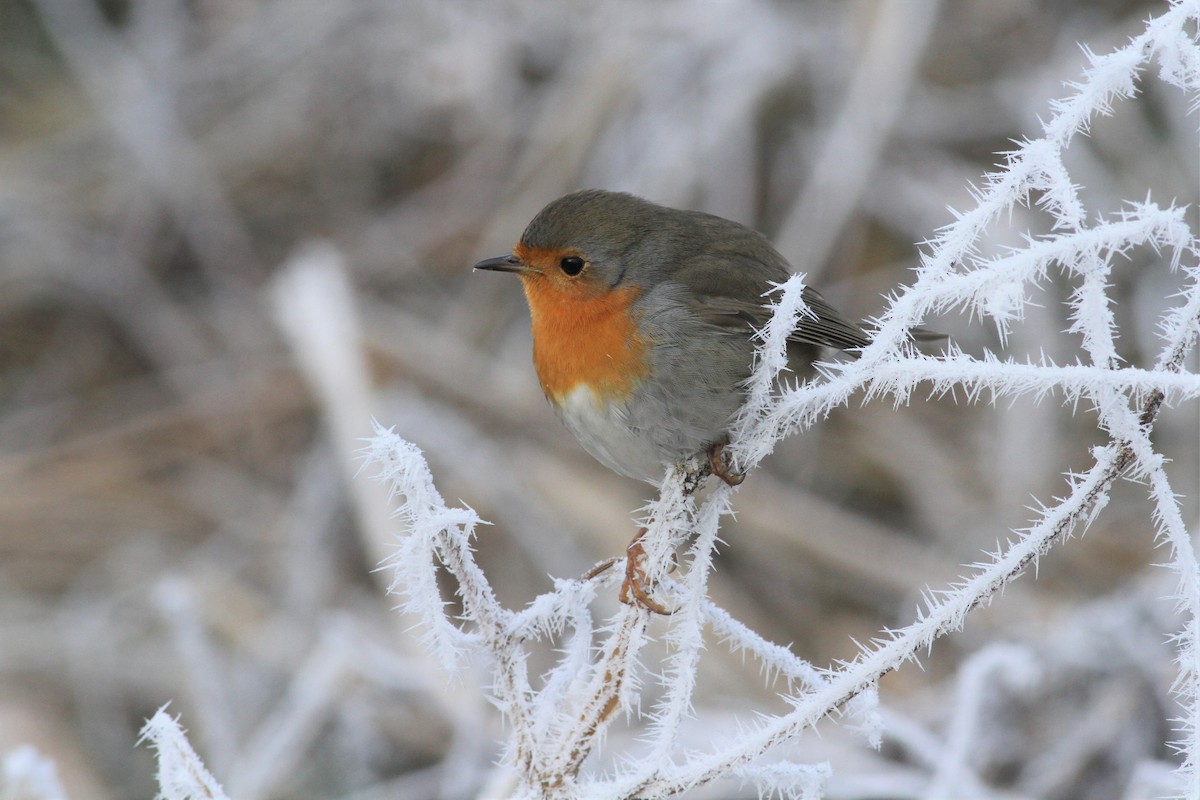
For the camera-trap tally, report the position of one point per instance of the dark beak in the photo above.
(501, 264)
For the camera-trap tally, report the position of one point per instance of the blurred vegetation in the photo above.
(175, 520)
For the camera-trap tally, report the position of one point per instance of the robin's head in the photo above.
(582, 262)
(584, 244)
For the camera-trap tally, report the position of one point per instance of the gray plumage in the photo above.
(702, 281)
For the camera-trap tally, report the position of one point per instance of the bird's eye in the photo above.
(571, 265)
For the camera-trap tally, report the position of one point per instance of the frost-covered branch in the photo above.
(181, 773)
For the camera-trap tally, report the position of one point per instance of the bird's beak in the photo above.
(502, 264)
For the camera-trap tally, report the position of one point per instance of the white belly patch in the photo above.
(605, 431)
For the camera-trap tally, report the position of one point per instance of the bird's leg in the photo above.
(720, 467)
(633, 589)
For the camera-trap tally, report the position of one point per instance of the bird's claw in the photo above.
(720, 466)
(633, 588)
(601, 568)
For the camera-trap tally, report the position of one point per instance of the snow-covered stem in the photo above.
(445, 533)
(181, 773)
(940, 617)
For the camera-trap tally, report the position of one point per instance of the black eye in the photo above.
(572, 265)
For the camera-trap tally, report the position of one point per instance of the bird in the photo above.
(643, 320)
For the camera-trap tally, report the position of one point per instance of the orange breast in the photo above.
(583, 337)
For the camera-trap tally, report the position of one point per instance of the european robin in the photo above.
(643, 319)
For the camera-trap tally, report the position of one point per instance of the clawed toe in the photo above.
(720, 466)
(633, 588)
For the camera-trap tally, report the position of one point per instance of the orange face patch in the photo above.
(583, 332)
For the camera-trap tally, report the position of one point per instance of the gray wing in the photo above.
(829, 328)
(727, 283)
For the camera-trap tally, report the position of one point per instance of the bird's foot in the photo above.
(720, 466)
(634, 590)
